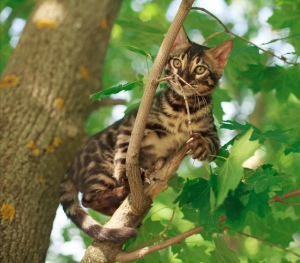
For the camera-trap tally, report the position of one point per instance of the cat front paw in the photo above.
(124, 181)
(197, 147)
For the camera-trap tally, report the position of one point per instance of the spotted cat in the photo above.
(98, 170)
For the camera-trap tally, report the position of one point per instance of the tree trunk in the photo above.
(44, 105)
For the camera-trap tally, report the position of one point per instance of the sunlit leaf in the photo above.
(231, 172)
(140, 51)
(138, 83)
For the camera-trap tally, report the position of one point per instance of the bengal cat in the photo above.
(98, 170)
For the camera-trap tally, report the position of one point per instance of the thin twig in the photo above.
(187, 110)
(288, 203)
(203, 99)
(127, 257)
(226, 29)
(261, 240)
(112, 102)
(277, 198)
(154, 239)
(164, 79)
(213, 35)
(187, 84)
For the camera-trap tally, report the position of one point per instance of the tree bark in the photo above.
(43, 110)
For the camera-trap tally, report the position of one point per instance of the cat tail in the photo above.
(73, 209)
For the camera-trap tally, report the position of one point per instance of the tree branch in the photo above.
(127, 257)
(111, 102)
(226, 29)
(261, 240)
(139, 202)
(279, 199)
(154, 239)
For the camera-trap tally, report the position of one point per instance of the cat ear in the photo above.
(222, 52)
(180, 39)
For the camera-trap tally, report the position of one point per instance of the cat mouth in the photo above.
(187, 89)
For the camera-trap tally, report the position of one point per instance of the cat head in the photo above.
(199, 66)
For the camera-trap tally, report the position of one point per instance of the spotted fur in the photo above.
(98, 170)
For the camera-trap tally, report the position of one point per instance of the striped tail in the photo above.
(73, 209)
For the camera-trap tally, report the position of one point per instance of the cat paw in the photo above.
(124, 181)
(197, 147)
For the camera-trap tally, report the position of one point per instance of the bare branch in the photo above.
(154, 239)
(127, 257)
(164, 79)
(111, 102)
(213, 35)
(226, 29)
(261, 240)
(288, 203)
(279, 199)
(187, 110)
(132, 160)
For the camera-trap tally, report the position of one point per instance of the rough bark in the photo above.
(60, 37)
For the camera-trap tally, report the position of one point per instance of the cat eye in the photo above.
(200, 70)
(176, 63)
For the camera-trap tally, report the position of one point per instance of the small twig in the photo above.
(277, 198)
(111, 102)
(261, 240)
(226, 29)
(288, 203)
(213, 35)
(127, 257)
(203, 99)
(187, 84)
(187, 110)
(154, 239)
(164, 79)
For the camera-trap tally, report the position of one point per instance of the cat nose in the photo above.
(183, 76)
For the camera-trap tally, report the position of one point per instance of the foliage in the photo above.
(256, 108)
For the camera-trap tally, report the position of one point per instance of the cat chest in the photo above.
(157, 144)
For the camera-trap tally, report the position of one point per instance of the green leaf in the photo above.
(140, 51)
(281, 136)
(114, 90)
(282, 38)
(198, 252)
(283, 80)
(195, 194)
(262, 181)
(288, 16)
(222, 254)
(278, 231)
(190, 214)
(231, 172)
(259, 204)
(233, 125)
(295, 147)
(176, 182)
